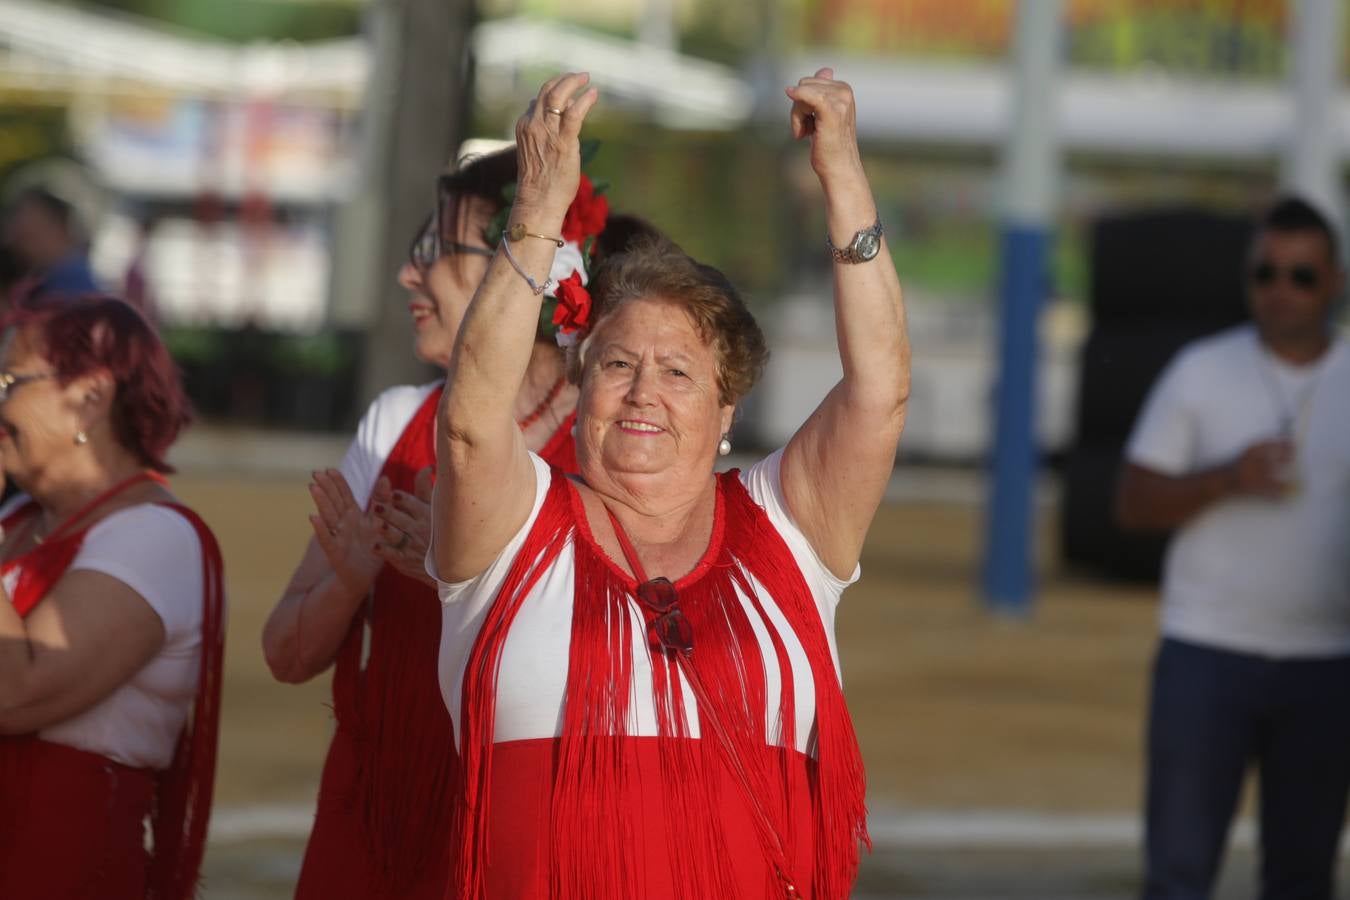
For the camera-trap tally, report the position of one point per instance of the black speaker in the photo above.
(1168, 266)
(1159, 280)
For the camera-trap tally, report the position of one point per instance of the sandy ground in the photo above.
(961, 715)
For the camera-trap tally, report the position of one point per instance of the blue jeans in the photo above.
(1213, 713)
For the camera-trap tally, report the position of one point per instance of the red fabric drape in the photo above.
(593, 831)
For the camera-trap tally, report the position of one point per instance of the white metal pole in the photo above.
(1313, 159)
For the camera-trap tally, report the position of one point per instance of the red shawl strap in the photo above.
(181, 806)
(183, 801)
(592, 849)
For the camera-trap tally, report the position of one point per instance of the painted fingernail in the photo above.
(379, 508)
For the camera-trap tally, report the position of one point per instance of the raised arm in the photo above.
(485, 481)
(836, 466)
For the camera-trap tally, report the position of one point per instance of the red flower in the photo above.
(573, 312)
(587, 214)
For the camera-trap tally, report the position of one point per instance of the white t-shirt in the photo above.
(1254, 575)
(380, 429)
(533, 671)
(155, 552)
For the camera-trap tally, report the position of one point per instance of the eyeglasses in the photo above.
(430, 246)
(670, 630)
(1266, 273)
(9, 381)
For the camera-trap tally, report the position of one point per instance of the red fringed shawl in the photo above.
(596, 827)
(73, 799)
(393, 765)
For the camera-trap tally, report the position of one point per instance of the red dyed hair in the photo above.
(92, 333)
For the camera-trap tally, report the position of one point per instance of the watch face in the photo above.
(867, 246)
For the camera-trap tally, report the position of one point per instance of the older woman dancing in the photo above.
(641, 662)
(360, 599)
(111, 620)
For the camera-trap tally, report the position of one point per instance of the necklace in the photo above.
(92, 505)
(538, 412)
(1292, 415)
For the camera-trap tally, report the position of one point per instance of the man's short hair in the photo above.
(1290, 213)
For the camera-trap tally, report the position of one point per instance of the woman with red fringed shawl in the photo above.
(640, 661)
(111, 620)
(360, 600)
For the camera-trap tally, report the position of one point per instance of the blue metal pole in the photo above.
(1007, 576)
(1030, 170)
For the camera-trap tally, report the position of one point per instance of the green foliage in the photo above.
(324, 354)
(250, 20)
(190, 346)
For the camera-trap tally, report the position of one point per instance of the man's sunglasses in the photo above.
(1266, 273)
(430, 246)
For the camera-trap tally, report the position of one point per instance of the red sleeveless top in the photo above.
(383, 821)
(601, 814)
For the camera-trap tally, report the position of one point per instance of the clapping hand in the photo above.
(405, 528)
(347, 533)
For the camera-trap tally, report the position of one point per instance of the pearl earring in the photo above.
(724, 447)
(81, 438)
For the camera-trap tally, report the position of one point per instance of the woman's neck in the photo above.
(62, 493)
(544, 396)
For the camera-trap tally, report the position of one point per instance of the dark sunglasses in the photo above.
(1266, 273)
(670, 630)
(430, 246)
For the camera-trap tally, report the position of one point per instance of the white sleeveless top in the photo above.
(534, 662)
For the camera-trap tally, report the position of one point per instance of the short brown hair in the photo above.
(656, 268)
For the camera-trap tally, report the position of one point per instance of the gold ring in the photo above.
(402, 542)
(554, 110)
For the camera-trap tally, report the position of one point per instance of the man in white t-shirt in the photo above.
(1244, 449)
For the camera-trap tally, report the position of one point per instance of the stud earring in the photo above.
(724, 447)
(81, 438)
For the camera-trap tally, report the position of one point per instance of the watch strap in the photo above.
(849, 253)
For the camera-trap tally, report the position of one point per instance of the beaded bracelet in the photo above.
(534, 285)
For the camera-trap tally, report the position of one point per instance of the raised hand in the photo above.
(548, 149)
(346, 533)
(405, 528)
(824, 112)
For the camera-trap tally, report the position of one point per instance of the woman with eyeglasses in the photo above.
(640, 661)
(111, 619)
(360, 600)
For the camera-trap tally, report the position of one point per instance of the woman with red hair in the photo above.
(111, 627)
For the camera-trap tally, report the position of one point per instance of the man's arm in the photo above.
(1148, 500)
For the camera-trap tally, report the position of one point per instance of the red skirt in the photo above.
(520, 830)
(338, 862)
(72, 823)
